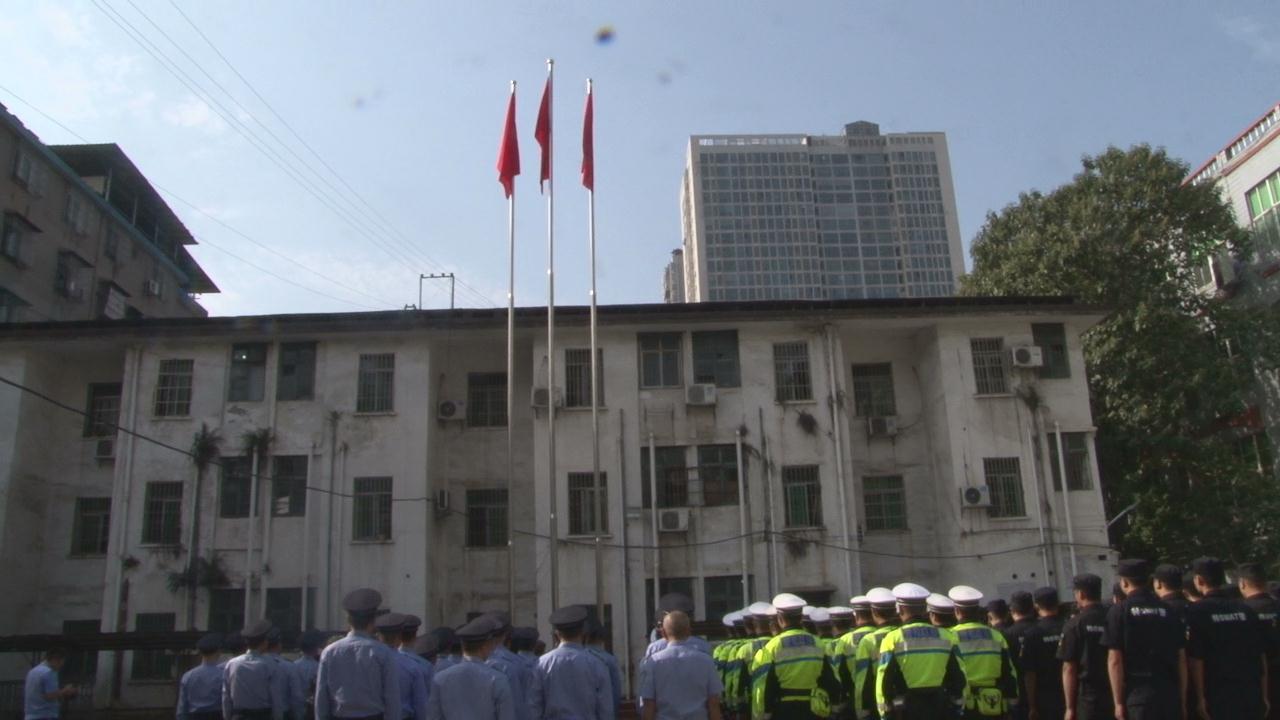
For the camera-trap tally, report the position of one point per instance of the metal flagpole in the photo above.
(551, 355)
(511, 391)
(595, 397)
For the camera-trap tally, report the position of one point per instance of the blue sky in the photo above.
(405, 101)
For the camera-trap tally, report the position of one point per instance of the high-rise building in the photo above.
(673, 278)
(858, 215)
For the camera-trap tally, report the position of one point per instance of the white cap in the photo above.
(840, 612)
(788, 603)
(910, 594)
(965, 596)
(860, 602)
(940, 603)
(807, 612)
(881, 597)
(731, 618)
(761, 609)
(820, 615)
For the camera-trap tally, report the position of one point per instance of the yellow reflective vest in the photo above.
(919, 656)
(988, 665)
(866, 666)
(724, 655)
(792, 667)
(743, 659)
(843, 660)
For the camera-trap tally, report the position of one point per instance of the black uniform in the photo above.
(1082, 644)
(1040, 656)
(1268, 610)
(1226, 635)
(1015, 634)
(1149, 635)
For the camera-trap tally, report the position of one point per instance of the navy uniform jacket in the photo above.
(200, 690)
(357, 677)
(1225, 633)
(470, 690)
(252, 682)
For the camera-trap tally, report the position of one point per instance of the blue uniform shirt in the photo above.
(679, 679)
(615, 673)
(41, 681)
(413, 691)
(288, 680)
(515, 670)
(200, 690)
(305, 668)
(470, 690)
(570, 684)
(694, 642)
(425, 668)
(357, 677)
(252, 682)
(444, 662)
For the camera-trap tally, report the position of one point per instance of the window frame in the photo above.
(299, 360)
(725, 369)
(233, 613)
(165, 510)
(486, 400)
(488, 512)
(811, 480)
(1057, 359)
(984, 371)
(663, 353)
(725, 467)
(720, 601)
(235, 487)
(376, 383)
(95, 426)
(1079, 466)
(374, 502)
(996, 472)
(153, 665)
(175, 388)
(287, 483)
(873, 392)
(880, 515)
(83, 542)
(792, 374)
(673, 480)
(577, 391)
(247, 376)
(583, 502)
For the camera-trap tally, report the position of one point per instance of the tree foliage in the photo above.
(1126, 234)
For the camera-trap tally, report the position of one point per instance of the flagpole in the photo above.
(595, 404)
(551, 358)
(511, 391)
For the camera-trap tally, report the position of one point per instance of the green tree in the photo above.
(1128, 235)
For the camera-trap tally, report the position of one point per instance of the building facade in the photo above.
(858, 215)
(813, 447)
(673, 278)
(85, 236)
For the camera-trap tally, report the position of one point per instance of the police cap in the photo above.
(820, 616)
(256, 631)
(806, 612)
(274, 636)
(860, 603)
(732, 618)
(478, 630)
(426, 645)
(392, 622)
(234, 642)
(1133, 569)
(761, 610)
(311, 640)
(1089, 584)
(788, 604)
(940, 604)
(525, 634)
(412, 623)
(209, 644)
(672, 602)
(881, 598)
(965, 596)
(910, 594)
(1046, 597)
(444, 637)
(1169, 575)
(364, 601)
(840, 612)
(501, 620)
(570, 617)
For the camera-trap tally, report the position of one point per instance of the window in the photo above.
(24, 169)
(723, 594)
(162, 514)
(791, 371)
(104, 410)
(682, 585)
(1004, 478)
(235, 486)
(1052, 340)
(577, 377)
(91, 527)
(65, 280)
(173, 388)
(82, 665)
(487, 399)
(486, 518)
(989, 371)
(1077, 457)
(289, 485)
(1263, 197)
(718, 474)
(585, 497)
(248, 372)
(13, 236)
(715, 358)
(371, 509)
(873, 390)
(672, 475)
(802, 496)
(659, 360)
(296, 378)
(11, 307)
(76, 215)
(153, 664)
(377, 383)
(884, 502)
(226, 609)
(284, 608)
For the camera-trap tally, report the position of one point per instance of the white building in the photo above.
(389, 467)
(797, 217)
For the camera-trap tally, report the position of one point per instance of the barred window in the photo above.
(577, 377)
(226, 609)
(235, 486)
(82, 665)
(723, 594)
(162, 514)
(672, 475)
(173, 388)
(487, 518)
(487, 399)
(1004, 479)
(1052, 340)
(248, 379)
(284, 608)
(91, 527)
(375, 389)
(371, 509)
(802, 496)
(104, 410)
(584, 495)
(718, 474)
(990, 373)
(153, 664)
(873, 390)
(289, 485)
(666, 585)
(659, 360)
(715, 358)
(1077, 456)
(296, 378)
(791, 371)
(884, 502)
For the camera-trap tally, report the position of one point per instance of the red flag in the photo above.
(509, 150)
(542, 133)
(588, 147)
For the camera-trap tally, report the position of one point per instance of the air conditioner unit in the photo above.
(886, 426)
(700, 394)
(1027, 356)
(673, 520)
(975, 496)
(451, 410)
(105, 449)
(151, 288)
(539, 395)
(442, 503)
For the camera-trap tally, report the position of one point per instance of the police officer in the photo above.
(446, 641)
(921, 676)
(1146, 644)
(306, 667)
(1252, 580)
(413, 691)
(790, 675)
(290, 682)
(722, 655)
(1226, 646)
(998, 614)
(517, 673)
(595, 635)
(841, 620)
(251, 683)
(846, 650)
(200, 690)
(471, 688)
(884, 612)
(1167, 580)
(1040, 659)
(41, 696)
(759, 620)
(523, 640)
(1086, 689)
(942, 611)
(1022, 609)
(408, 644)
(569, 682)
(358, 676)
(678, 682)
(670, 603)
(984, 653)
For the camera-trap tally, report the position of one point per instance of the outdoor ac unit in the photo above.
(442, 503)
(975, 496)
(105, 449)
(700, 394)
(1027, 356)
(539, 397)
(886, 426)
(451, 410)
(673, 520)
(151, 288)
